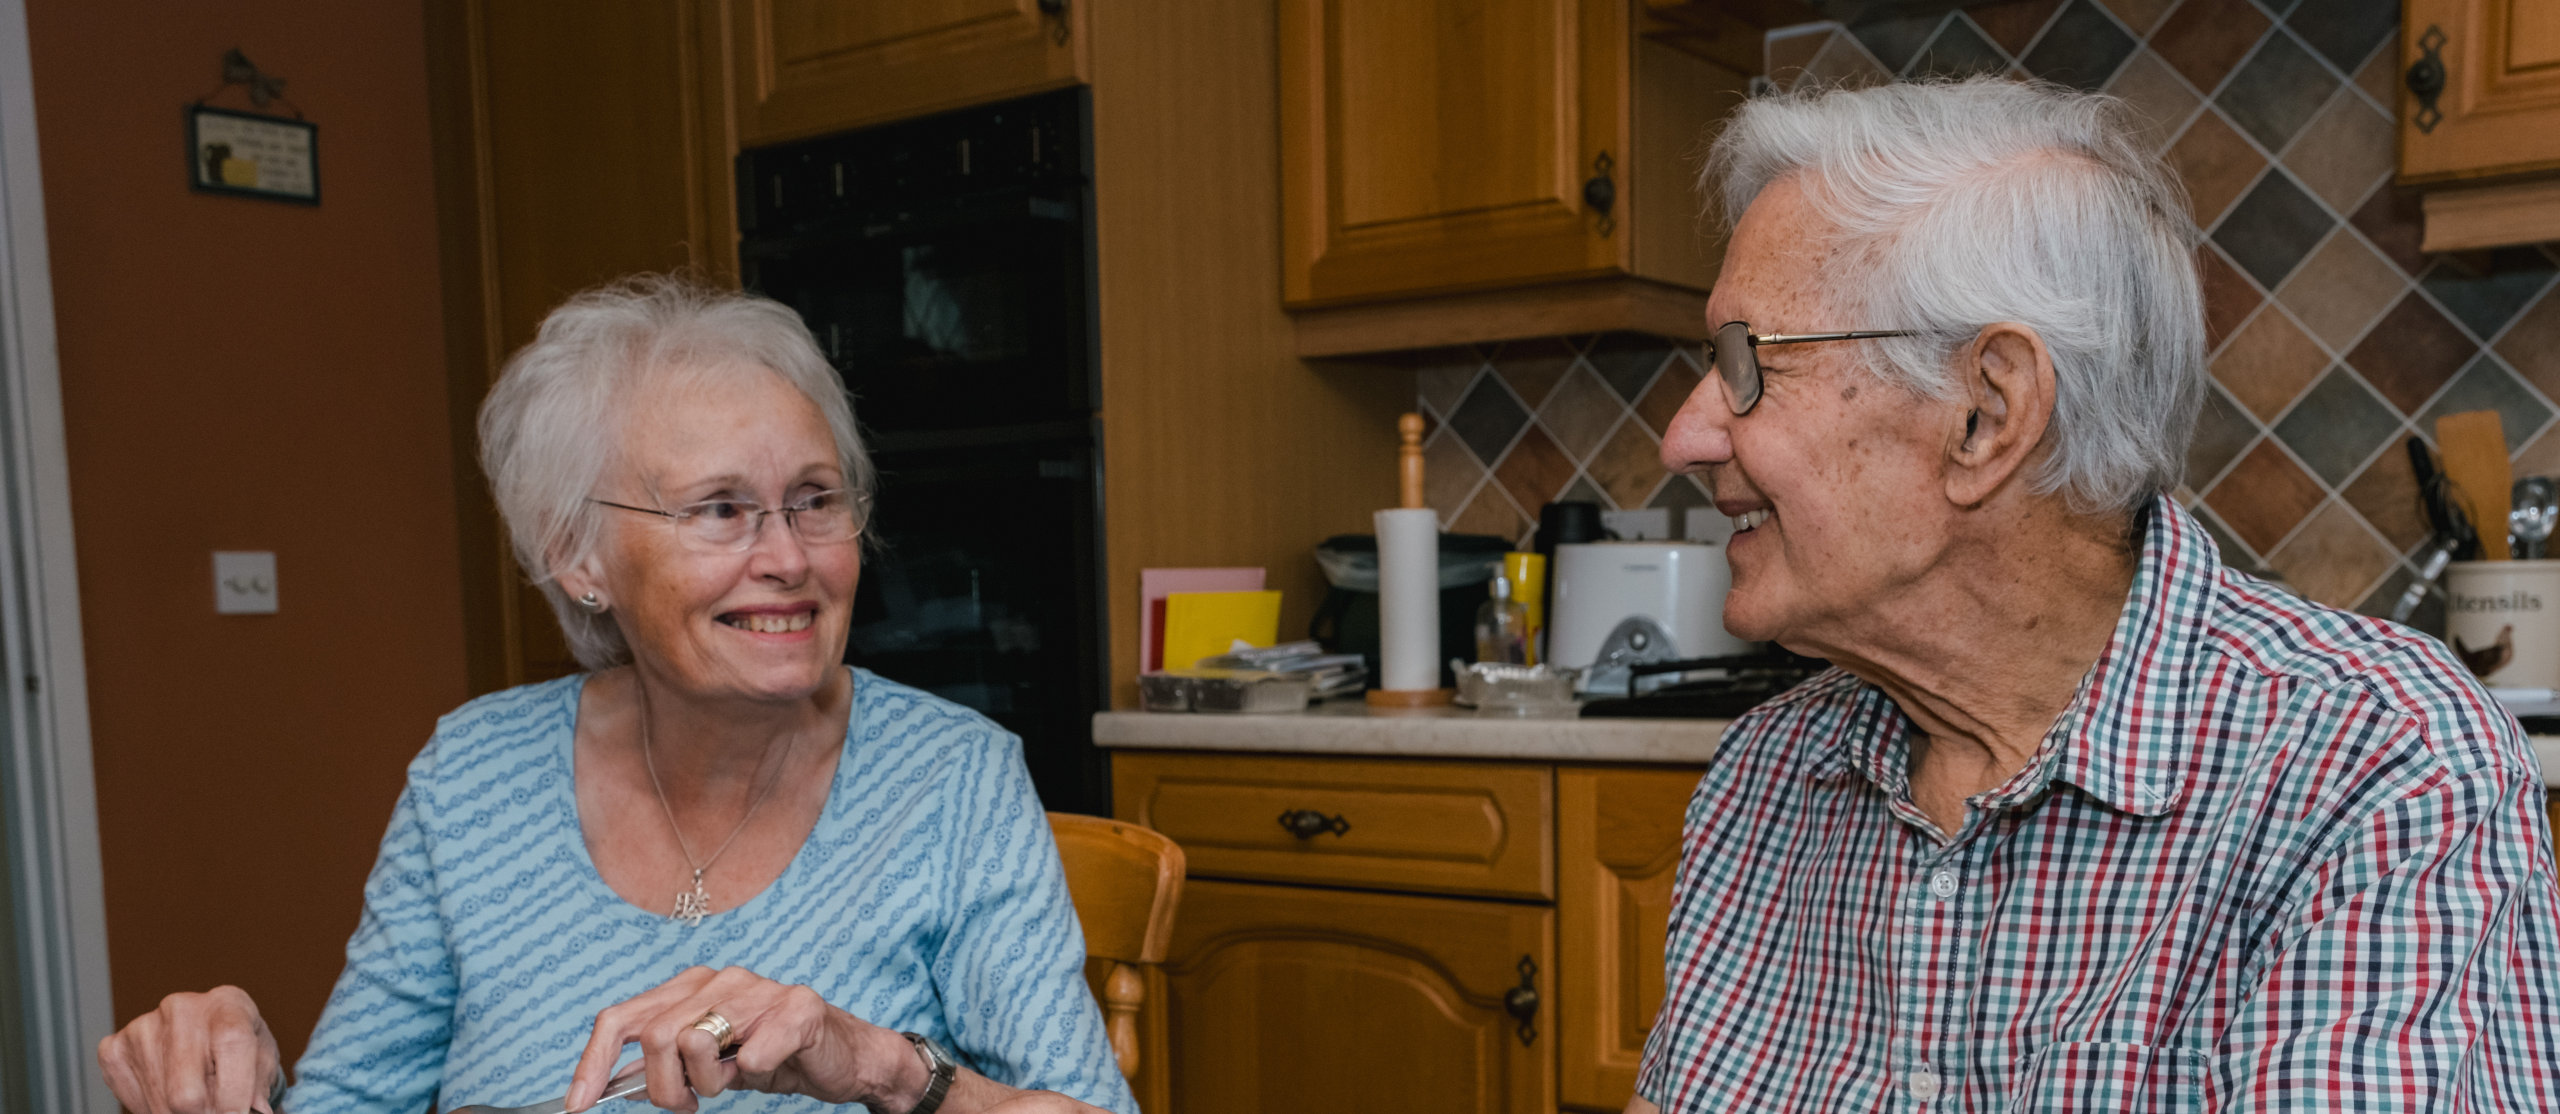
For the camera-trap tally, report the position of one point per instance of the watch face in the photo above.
(942, 1060)
(941, 1068)
(934, 1053)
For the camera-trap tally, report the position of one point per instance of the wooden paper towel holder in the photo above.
(1409, 497)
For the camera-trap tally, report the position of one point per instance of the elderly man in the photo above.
(2082, 820)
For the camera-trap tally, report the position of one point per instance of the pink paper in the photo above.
(1155, 584)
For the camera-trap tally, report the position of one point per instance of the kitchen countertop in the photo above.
(1350, 727)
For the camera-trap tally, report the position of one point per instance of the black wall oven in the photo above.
(945, 265)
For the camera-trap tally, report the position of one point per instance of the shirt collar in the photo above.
(2125, 737)
(2125, 740)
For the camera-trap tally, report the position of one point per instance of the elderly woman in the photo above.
(2082, 820)
(720, 837)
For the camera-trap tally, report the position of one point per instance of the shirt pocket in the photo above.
(2115, 1076)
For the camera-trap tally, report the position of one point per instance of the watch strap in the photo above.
(941, 1071)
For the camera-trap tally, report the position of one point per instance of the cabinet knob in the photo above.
(1307, 823)
(1521, 1002)
(2426, 79)
(1600, 192)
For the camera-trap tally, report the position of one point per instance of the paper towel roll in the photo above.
(1408, 599)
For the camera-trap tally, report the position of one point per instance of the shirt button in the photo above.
(1924, 1084)
(1943, 883)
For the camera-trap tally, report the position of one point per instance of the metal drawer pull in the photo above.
(1307, 823)
(1521, 1002)
(2426, 80)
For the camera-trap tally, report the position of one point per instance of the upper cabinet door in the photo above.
(2499, 109)
(1430, 146)
(809, 67)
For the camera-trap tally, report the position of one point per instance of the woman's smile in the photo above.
(772, 621)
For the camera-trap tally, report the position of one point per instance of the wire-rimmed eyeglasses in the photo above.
(830, 517)
(1732, 351)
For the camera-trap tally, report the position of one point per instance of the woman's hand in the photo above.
(789, 1041)
(196, 1054)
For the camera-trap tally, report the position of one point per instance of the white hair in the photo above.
(553, 423)
(1963, 204)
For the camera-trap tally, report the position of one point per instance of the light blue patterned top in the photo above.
(928, 899)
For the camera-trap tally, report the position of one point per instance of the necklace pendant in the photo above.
(692, 905)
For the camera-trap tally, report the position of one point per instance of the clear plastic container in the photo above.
(1498, 689)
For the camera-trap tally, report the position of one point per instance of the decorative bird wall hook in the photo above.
(237, 69)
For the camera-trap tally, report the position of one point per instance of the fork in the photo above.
(621, 1088)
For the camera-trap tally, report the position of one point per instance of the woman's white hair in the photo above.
(552, 426)
(1962, 204)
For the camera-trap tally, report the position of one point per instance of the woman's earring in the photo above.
(593, 605)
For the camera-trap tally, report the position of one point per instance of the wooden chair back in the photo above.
(1125, 881)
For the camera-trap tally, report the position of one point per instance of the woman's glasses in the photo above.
(829, 517)
(1733, 351)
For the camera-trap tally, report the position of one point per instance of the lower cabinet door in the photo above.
(1617, 854)
(1291, 999)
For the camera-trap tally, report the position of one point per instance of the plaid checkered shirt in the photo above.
(2273, 856)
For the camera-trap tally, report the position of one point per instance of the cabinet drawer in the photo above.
(1446, 827)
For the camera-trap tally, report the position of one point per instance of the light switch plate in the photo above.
(244, 583)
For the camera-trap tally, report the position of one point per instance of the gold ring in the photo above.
(711, 1022)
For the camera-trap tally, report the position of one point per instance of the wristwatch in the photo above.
(942, 1070)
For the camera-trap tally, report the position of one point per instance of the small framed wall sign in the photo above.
(248, 155)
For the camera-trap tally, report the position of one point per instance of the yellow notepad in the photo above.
(1205, 624)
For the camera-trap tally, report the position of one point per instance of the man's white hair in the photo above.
(1962, 204)
(552, 426)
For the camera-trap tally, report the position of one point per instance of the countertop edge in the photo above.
(1446, 735)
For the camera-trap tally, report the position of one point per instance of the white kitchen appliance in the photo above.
(1623, 603)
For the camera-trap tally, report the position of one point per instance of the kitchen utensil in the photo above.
(2431, 563)
(623, 1086)
(2422, 464)
(2451, 538)
(2537, 510)
(2475, 462)
(2435, 497)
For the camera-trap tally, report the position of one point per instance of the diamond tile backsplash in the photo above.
(2333, 338)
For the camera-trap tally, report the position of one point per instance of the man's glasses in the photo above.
(731, 525)
(1733, 352)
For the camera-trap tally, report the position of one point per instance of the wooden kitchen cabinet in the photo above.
(1371, 964)
(575, 141)
(2500, 105)
(2495, 115)
(809, 67)
(1456, 169)
(1285, 999)
(1618, 850)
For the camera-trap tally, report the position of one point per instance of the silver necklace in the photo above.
(695, 903)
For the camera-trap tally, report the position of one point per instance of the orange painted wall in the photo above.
(249, 375)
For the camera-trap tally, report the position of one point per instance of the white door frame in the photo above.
(52, 842)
